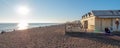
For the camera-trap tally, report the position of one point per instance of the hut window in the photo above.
(89, 14)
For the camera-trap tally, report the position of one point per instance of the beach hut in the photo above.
(98, 20)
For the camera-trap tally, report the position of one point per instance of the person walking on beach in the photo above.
(107, 31)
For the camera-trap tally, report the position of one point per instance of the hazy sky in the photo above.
(52, 10)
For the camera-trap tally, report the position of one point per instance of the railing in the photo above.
(74, 27)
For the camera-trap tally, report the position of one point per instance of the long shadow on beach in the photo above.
(98, 37)
(116, 33)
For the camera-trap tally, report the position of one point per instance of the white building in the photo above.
(97, 20)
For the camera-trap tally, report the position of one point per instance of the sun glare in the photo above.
(22, 25)
(23, 10)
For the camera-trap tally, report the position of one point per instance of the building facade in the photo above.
(98, 20)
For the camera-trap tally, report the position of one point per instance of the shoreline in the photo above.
(10, 30)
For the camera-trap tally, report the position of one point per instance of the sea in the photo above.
(7, 27)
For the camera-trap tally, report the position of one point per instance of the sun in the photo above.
(22, 10)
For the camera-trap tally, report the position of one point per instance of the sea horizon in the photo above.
(14, 26)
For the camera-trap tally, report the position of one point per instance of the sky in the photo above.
(52, 11)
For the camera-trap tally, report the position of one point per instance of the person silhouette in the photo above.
(107, 31)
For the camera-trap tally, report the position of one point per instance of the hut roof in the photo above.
(106, 12)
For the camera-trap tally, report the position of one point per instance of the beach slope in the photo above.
(54, 37)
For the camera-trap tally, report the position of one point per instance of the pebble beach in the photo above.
(55, 37)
